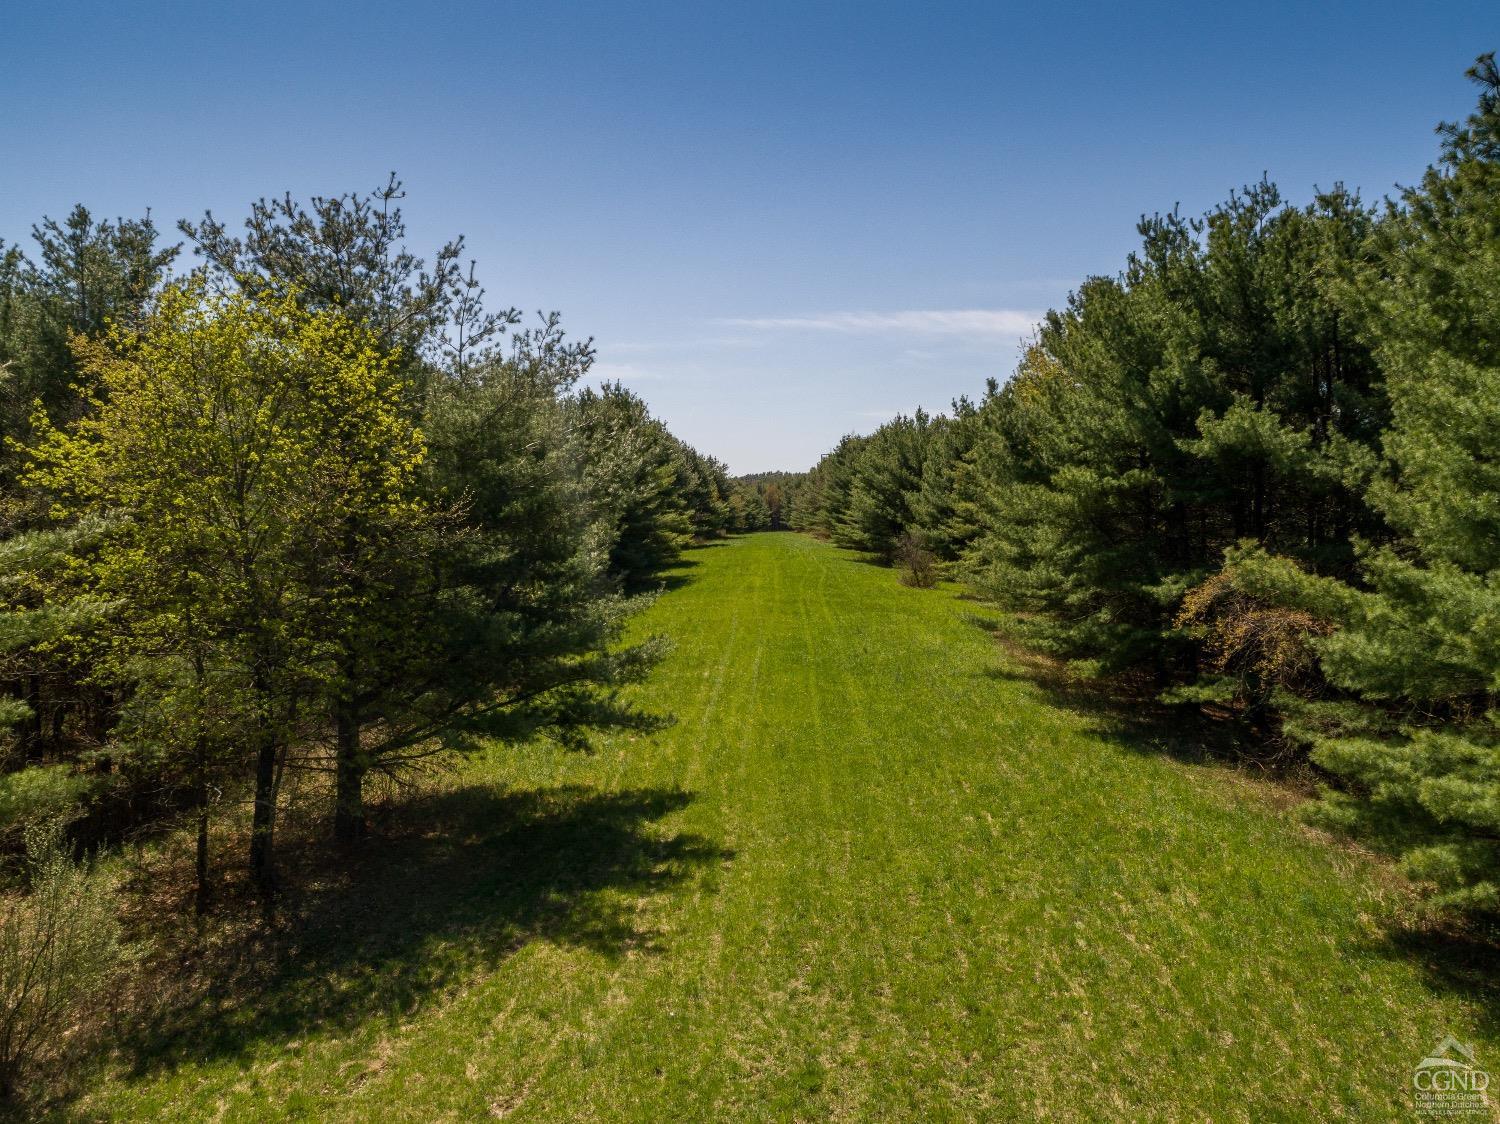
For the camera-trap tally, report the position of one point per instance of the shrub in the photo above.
(41, 792)
(915, 563)
(1257, 644)
(59, 943)
(1250, 647)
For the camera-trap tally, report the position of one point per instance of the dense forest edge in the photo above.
(288, 506)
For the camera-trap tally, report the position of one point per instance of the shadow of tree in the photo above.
(983, 622)
(1461, 959)
(478, 874)
(680, 574)
(1125, 712)
(1455, 956)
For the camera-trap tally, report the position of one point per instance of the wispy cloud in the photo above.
(960, 322)
(697, 343)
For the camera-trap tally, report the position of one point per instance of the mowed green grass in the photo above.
(872, 872)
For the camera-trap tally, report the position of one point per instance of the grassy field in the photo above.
(874, 871)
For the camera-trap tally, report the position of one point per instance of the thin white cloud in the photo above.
(960, 322)
(699, 343)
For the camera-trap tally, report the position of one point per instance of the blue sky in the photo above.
(780, 222)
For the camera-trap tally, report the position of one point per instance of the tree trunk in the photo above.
(349, 783)
(31, 730)
(201, 899)
(200, 759)
(263, 821)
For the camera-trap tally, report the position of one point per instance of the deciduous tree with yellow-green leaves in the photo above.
(259, 470)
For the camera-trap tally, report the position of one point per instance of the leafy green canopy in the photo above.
(258, 469)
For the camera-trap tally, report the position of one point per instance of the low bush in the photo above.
(39, 793)
(915, 563)
(59, 944)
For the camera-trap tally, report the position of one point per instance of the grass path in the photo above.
(871, 873)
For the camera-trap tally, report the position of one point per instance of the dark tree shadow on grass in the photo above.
(1456, 957)
(981, 621)
(1126, 714)
(680, 574)
(480, 874)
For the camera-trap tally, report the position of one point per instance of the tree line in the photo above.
(309, 506)
(762, 501)
(1258, 470)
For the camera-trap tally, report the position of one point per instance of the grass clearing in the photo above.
(874, 871)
